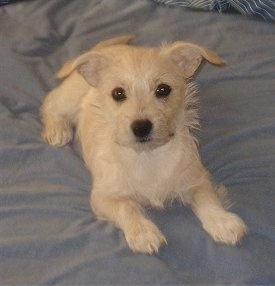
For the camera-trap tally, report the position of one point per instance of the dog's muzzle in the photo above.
(142, 129)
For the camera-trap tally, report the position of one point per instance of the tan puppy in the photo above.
(134, 110)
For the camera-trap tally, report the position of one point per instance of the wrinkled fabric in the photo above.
(264, 9)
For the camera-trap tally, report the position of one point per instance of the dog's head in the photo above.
(144, 94)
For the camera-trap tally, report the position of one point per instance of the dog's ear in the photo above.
(189, 57)
(71, 65)
(88, 65)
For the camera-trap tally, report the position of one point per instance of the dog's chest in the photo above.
(153, 175)
(152, 168)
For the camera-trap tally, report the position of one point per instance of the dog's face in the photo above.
(143, 93)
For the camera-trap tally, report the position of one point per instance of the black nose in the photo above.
(141, 128)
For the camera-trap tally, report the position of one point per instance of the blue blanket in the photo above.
(48, 234)
(264, 9)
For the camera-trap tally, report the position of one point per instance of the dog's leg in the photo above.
(141, 234)
(59, 110)
(222, 225)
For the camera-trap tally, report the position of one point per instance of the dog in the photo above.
(134, 110)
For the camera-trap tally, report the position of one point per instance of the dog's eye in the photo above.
(163, 90)
(119, 94)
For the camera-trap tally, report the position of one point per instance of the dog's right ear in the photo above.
(90, 56)
(190, 57)
(88, 65)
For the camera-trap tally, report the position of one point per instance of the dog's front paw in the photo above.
(57, 132)
(144, 237)
(225, 227)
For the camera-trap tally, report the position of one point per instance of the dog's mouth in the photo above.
(151, 142)
(143, 140)
(146, 143)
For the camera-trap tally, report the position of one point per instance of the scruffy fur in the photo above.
(129, 174)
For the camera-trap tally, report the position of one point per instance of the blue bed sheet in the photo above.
(264, 9)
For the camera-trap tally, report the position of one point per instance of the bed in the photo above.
(48, 234)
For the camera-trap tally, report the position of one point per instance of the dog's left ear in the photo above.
(189, 57)
(70, 66)
(88, 65)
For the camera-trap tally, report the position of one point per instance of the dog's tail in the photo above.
(122, 40)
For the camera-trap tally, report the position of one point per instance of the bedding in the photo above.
(48, 234)
(264, 9)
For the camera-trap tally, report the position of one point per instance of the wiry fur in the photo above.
(128, 174)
